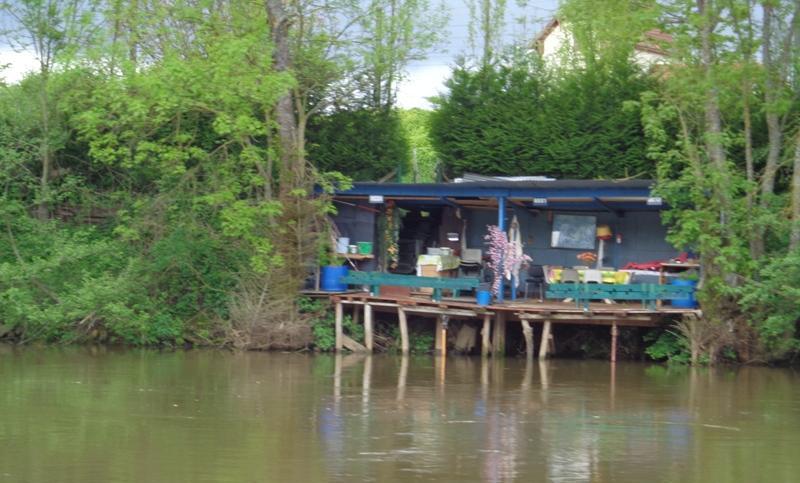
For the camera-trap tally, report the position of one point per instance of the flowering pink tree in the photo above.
(504, 257)
(498, 246)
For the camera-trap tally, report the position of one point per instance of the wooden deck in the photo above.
(494, 317)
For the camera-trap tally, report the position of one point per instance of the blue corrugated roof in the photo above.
(622, 195)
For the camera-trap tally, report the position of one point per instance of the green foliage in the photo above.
(599, 38)
(420, 341)
(423, 157)
(772, 302)
(518, 117)
(323, 324)
(364, 144)
(71, 284)
(667, 345)
(173, 209)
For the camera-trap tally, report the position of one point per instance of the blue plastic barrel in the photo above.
(687, 303)
(331, 278)
(484, 297)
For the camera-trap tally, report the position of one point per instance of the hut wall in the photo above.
(643, 236)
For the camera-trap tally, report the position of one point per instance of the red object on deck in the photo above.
(654, 265)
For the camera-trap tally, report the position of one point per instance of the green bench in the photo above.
(375, 279)
(647, 293)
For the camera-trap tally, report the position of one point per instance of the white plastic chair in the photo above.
(592, 276)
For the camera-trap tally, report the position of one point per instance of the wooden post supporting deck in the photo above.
(441, 335)
(339, 330)
(527, 332)
(543, 346)
(485, 349)
(401, 316)
(614, 333)
(368, 327)
(499, 339)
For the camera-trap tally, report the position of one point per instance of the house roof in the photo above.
(538, 41)
(567, 194)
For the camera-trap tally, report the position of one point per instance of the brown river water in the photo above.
(84, 415)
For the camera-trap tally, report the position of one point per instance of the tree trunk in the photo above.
(45, 152)
(486, 7)
(774, 131)
(284, 110)
(794, 238)
(713, 115)
(756, 236)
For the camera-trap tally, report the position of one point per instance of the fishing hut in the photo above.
(495, 251)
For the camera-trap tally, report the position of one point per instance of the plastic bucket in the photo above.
(365, 248)
(687, 303)
(484, 297)
(331, 278)
(341, 244)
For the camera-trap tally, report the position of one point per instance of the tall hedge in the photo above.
(522, 119)
(364, 144)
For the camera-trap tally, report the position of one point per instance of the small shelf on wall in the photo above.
(356, 256)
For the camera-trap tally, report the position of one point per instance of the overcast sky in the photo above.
(424, 78)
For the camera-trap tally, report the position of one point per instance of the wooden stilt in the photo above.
(499, 336)
(441, 330)
(527, 333)
(614, 334)
(487, 324)
(438, 334)
(401, 315)
(544, 345)
(339, 330)
(368, 327)
(356, 315)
